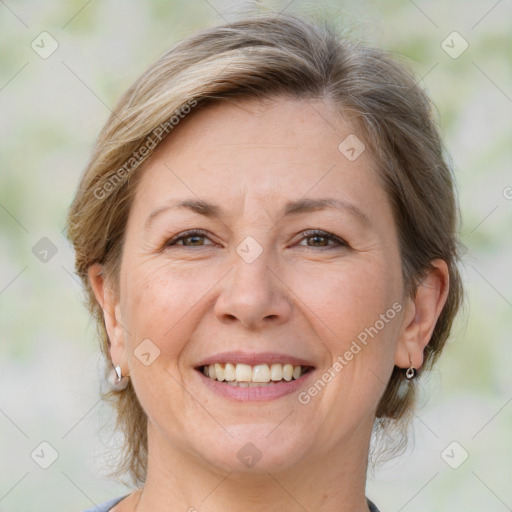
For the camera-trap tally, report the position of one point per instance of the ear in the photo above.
(112, 316)
(421, 314)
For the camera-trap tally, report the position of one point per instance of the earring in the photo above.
(410, 372)
(116, 379)
(118, 373)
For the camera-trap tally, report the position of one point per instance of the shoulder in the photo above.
(106, 505)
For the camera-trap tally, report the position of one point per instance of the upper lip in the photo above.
(254, 358)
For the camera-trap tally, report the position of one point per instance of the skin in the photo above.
(308, 297)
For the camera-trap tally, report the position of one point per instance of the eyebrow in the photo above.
(300, 206)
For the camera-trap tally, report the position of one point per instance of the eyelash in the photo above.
(305, 234)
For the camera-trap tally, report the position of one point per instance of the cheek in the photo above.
(346, 299)
(353, 306)
(160, 321)
(161, 305)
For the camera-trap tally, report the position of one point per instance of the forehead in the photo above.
(267, 152)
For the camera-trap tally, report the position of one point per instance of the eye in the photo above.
(192, 234)
(196, 236)
(323, 236)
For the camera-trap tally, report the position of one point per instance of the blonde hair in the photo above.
(264, 56)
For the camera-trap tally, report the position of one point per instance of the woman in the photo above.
(267, 234)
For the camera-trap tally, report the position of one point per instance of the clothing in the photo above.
(372, 506)
(107, 505)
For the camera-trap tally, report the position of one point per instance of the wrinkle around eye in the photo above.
(170, 240)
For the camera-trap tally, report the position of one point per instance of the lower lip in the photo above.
(255, 394)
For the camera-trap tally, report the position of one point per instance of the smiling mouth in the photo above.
(260, 375)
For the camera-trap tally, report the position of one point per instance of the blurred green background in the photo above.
(52, 109)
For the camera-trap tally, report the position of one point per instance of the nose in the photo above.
(253, 295)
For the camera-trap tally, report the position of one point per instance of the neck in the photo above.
(333, 482)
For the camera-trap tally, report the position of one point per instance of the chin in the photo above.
(257, 449)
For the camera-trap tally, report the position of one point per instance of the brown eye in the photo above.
(194, 236)
(322, 239)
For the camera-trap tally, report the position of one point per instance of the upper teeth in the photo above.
(247, 373)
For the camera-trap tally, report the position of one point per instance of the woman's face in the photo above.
(252, 294)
